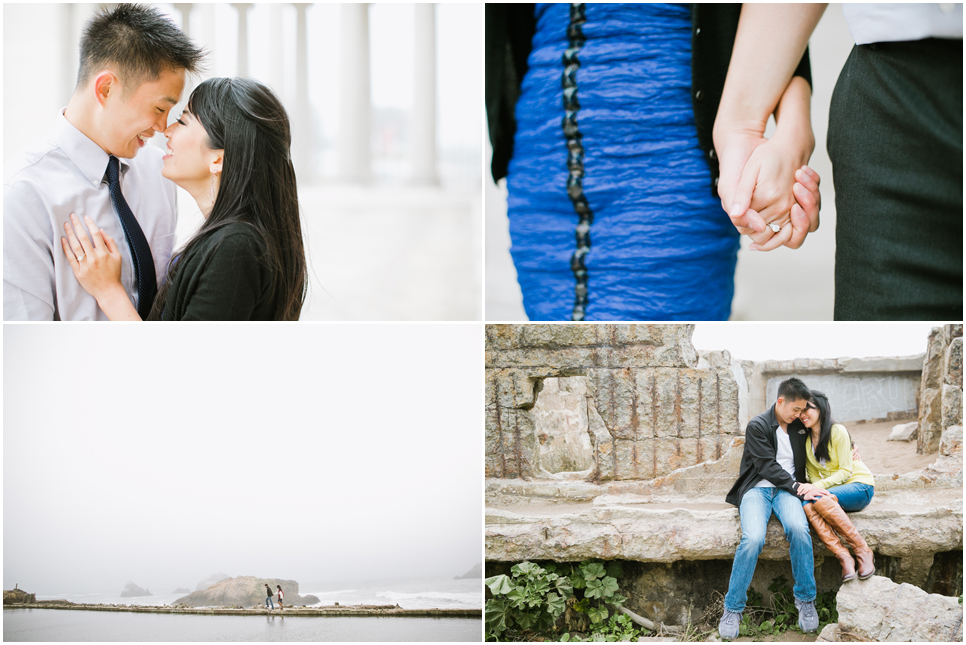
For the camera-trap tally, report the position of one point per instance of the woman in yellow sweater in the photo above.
(829, 465)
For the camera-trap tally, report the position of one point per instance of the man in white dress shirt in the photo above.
(132, 72)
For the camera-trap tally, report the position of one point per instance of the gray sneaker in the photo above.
(728, 627)
(807, 615)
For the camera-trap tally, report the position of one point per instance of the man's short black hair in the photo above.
(794, 390)
(137, 40)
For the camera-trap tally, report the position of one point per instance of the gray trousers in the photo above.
(895, 139)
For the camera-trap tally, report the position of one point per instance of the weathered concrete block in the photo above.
(952, 406)
(883, 364)
(637, 460)
(558, 335)
(878, 609)
(954, 363)
(562, 427)
(512, 388)
(904, 432)
(515, 437)
(932, 362)
(930, 421)
(951, 444)
(503, 336)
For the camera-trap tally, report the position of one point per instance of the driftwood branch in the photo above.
(647, 624)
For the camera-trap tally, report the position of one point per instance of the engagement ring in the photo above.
(775, 228)
(83, 255)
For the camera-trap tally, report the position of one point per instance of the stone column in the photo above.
(184, 8)
(276, 49)
(303, 132)
(423, 129)
(208, 20)
(354, 106)
(68, 52)
(242, 37)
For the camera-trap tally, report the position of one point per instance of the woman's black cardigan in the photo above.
(509, 36)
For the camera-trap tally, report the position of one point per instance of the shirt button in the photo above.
(715, 182)
(698, 30)
(712, 155)
(699, 95)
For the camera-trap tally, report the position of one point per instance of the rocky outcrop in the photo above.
(210, 580)
(904, 432)
(941, 398)
(475, 572)
(880, 610)
(131, 590)
(182, 590)
(17, 596)
(245, 591)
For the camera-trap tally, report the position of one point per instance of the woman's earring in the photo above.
(212, 189)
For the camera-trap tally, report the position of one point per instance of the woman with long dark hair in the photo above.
(829, 464)
(230, 151)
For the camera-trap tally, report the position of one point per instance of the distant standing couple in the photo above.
(800, 465)
(89, 212)
(632, 140)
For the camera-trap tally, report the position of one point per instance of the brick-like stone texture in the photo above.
(660, 412)
(941, 399)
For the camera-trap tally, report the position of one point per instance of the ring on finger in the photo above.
(82, 256)
(775, 228)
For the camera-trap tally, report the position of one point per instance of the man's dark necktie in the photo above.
(143, 260)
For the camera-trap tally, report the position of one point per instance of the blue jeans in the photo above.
(268, 601)
(756, 508)
(852, 497)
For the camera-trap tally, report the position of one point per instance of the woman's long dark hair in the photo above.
(246, 120)
(825, 423)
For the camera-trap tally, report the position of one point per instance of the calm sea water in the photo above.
(55, 625)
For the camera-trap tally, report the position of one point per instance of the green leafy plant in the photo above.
(541, 600)
(760, 621)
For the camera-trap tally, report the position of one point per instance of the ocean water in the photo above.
(422, 593)
(429, 593)
(88, 626)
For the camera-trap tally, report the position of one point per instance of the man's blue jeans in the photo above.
(756, 508)
(268, 601)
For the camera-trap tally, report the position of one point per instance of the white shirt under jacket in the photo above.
(61, 174)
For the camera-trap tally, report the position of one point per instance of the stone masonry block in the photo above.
(932, 363)
(636, 460)
(513, 388)
(930, 421)
(559, 335)
(614, 395)
(954, 363)
(952, 406)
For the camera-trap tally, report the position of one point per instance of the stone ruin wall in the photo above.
(941, 387)
(638, 405)
(861, 389)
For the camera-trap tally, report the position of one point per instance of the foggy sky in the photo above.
(780, 341)
(163, 453)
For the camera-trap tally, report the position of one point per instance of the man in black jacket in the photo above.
(772, 465)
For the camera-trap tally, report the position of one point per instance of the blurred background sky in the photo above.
(326, 453)
(761, 280)
(391, 243)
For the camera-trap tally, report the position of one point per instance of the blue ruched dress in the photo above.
(611, 211)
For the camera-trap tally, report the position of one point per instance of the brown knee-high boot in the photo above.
(831, 542)
(828, 507)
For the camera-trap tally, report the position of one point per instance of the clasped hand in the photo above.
(765, 182)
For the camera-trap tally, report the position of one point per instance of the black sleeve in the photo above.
(509, 29)
(231, 281)
(763, 458)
